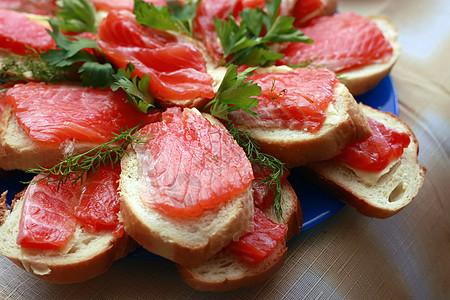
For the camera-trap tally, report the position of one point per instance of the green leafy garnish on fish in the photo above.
(247, 42)
(176, 16)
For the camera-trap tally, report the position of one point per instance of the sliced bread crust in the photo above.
(185, 240)
(345, 124)
(87, 255)
(363, 79)
(225, 272)
(380, 198)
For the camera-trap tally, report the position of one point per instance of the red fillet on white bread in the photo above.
(343, 121)
(373, 195)
(305, 11)
(178, 193)
(64, 254)
(225, 271)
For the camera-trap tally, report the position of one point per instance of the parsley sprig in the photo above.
(248, 42)
(74, 166)
(176, 16)
(235, 93)
(76, 16)
(137, 89)
(71, 52)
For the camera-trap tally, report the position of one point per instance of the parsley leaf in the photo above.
(235, 93)
(76, 16)
(244, 43)
(137, 89)
(93, 72)
(176, 16)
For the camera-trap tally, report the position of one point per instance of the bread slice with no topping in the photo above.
(380, 196)
(225, 271)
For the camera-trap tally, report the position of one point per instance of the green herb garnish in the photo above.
(93, 72)
(248, 42)
(265, 161)
(17, 68)
(73, 167)
(235, 93)
(76, 16)
(176, 16)
(137, 89)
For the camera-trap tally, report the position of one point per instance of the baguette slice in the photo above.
(379, 198)
(345, 124)
(87, 255)
(225, 272)
(363, 79)
(188, 240)
(19, 151)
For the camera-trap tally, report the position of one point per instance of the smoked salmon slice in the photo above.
(253, 247)
(52, 114)
(377, 151)
(177, 69)
(342, 42)
(52, 212)
(189, 165)
(296, 99)
(47, 220)
(18, 32)
(37, 7)
(100, 205)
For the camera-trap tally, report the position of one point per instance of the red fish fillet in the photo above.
(342, 42)
(189, 165)
(17, 32)
(177, 69)
(293, 100)
(52, 114)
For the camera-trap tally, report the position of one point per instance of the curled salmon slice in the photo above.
(377, 151)
(342, 42)
(296, 99)
(177, 69)
(189, 165)
(18, 32)
(52, 114)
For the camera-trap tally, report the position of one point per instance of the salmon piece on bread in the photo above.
(375, 194)
(185, 200)
(328, 117)
(225, 271)
(43, 235)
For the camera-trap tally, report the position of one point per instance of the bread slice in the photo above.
(226, 272)
(363, 79)
(19, 151)
(188, 240)
(345, 124)
(379, 197)
(87, 255)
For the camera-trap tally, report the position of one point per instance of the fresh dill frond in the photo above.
(74, 166)
(265, 161)
(31, 67)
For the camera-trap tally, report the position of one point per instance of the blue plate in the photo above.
(316, 205)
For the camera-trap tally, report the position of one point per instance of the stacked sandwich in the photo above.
(201, 176)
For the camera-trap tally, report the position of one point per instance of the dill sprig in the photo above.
(74, 166)
(265, 161)
(31, 67)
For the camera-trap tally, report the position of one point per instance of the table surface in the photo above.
(348, 255)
